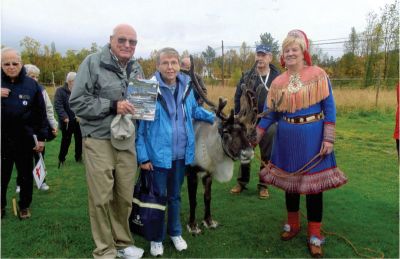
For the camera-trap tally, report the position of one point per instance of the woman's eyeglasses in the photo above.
(11, 63)
(132, 43)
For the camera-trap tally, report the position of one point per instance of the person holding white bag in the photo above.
(23, 115)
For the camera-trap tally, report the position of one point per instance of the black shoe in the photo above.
(78, 160)
(3, 212)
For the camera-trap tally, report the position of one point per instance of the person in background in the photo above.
(396, 128)
(261, 82)
(33, 72)
(69, 123)
(302, 159)
(185, 68)
(23, 115)
(166, 153)
(97, 99)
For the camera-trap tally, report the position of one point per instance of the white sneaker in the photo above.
(44, 187)
(130, 252)
(179, 243)
(156, 248)
(18, 189)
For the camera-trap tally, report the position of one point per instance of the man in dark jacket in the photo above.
(68, 121)
(23, 114)
(261, 81)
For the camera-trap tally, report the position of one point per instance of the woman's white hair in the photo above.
(32, 69)
(167, 51)
(70, 76)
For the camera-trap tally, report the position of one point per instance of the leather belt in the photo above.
(304, 119)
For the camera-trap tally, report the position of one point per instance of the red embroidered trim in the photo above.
(303, 184)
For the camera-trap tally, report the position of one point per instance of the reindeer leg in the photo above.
(208, 222)
(192, 183)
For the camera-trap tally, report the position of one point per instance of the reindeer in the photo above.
(217, 147)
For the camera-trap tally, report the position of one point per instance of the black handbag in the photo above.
(148, 209)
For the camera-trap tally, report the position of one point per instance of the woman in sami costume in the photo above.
(302, 160)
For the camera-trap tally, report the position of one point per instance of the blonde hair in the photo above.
(294, 38)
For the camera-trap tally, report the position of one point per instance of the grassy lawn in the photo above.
(365, 211)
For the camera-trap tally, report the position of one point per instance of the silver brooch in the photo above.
(294, 83)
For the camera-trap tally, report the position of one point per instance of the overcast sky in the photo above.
(185, 25)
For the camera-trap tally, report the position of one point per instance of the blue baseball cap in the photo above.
(263, 48)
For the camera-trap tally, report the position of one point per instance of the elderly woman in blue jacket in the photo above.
(166, 145)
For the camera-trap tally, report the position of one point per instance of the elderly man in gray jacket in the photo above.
(98, 96)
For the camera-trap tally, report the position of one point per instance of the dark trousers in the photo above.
(314, 205)
(20, 154)
(265, 151)
(67, 132)
(36, 156)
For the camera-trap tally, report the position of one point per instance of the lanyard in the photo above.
(265, 82)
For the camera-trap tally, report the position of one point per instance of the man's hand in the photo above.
(5, 92)
(39, 147)
(125, 107)
(327, 148)
(147, 166)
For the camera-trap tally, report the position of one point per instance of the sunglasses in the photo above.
(11, 63)
(132, 43)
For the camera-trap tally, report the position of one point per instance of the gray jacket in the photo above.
(99, 84)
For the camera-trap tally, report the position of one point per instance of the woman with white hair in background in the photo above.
(68, 121)
(33, 72)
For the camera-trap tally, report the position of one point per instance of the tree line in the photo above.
(370, 58)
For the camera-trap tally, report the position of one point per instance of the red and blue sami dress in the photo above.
(304, 108)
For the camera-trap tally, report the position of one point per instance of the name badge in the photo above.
(24, 97)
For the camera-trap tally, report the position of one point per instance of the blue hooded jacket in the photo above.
(155, 139)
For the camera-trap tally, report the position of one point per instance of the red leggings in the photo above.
(313, 202)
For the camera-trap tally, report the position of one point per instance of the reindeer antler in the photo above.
(197, 85)
(221, 105)
(248, 101)
(273, 108)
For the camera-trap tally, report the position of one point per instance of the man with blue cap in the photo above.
(260, 81)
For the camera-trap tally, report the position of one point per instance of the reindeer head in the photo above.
(233, 135)
(249, 114)
(233, 132)
(248, 105)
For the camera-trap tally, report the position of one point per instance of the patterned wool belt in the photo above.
(304, 119)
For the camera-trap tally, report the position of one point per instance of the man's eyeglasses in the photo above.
(132, 43)
(11, 63)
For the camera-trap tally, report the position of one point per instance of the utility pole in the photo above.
(377, 87)
(52, 81)
(223, 81)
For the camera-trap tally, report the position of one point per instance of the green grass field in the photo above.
(365, 211)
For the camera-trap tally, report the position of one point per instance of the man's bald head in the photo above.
(123, 42)
(123, 27)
